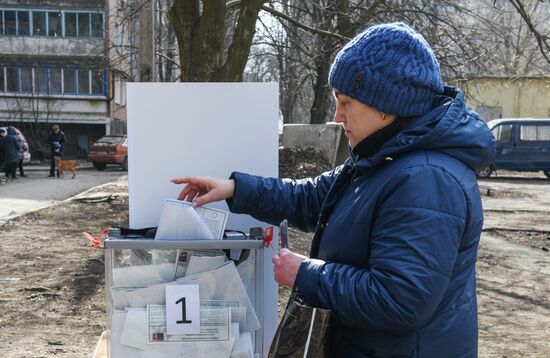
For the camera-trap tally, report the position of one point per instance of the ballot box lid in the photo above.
(151, 244)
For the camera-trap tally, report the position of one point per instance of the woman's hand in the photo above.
(286, 266)
(204, 190)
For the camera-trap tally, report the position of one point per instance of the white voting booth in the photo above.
(202, 129)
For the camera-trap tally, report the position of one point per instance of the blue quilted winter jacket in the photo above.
(396, 236)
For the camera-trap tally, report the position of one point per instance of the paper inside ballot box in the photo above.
(179, 220)
(222, 283)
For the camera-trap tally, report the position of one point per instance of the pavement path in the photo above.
(37, 191)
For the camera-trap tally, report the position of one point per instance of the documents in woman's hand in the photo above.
(179, 220)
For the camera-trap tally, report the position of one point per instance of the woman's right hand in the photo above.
(204, 190)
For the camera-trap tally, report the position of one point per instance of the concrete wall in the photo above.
(76, 109)
(328, 138)
(47, 46)
(521, 97)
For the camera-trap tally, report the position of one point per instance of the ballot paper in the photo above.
(243, 346)
(184, 256)
(215, 325)
(179, 220)
(222, 283)
(199, 264)
(134, 337)
(142, 275)
(118, 349)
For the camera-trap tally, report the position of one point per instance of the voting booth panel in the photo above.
(202, 129)
(191, 298)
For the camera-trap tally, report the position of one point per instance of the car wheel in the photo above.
(125, 164)
(484, 173)
(547, 173)
(100, 166)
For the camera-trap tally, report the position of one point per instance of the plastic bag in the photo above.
(302, 332)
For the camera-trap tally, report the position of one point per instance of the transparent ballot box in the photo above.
(186, 298)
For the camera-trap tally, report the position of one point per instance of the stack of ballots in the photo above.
(228, 321)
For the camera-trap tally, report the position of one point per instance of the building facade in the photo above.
(54, 70)
(505, 97)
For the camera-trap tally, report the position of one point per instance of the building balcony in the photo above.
(47, 46)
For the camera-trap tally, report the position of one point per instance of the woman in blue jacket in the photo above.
(397, 225)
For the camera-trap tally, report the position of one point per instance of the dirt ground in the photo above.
(52, 284)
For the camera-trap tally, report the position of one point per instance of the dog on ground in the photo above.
(65, 165)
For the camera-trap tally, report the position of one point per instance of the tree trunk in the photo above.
(321, 91)
(201, 34)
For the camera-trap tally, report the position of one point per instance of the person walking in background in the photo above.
(396, 226)
(12, 147)
(56, 139)
(23, 148)
(2, 153)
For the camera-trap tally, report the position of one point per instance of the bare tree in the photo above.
(294, 41)
(35, 111)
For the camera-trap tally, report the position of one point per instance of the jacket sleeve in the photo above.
(272, 200)
(17, 144)
(62, 139)
(414, 244)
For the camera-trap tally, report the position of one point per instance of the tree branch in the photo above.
(544, 46)
(303, 26)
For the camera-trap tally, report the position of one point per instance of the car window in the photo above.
(534, 132)
(125, 143)
(108, 141)
(503, 133)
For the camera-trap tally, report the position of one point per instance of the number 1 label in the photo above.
(182, 309)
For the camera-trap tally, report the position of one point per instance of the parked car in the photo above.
(26, 153)
(523, 144)
(110, 149)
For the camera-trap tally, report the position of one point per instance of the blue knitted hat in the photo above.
(389, 67)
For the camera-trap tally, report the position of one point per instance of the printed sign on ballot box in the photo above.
(182, 309)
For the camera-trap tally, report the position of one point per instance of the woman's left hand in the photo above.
(286, 266)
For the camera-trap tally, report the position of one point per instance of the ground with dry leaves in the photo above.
(52, 285)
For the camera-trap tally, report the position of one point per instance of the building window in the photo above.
(52, 80)
(10, 22)
(54, 24)
(69, 81)
(84, 24)
(12, 79)
(83, 81)
(40, 80)
(70, 24)
(55, 80)
(26, 80)
(2, 80)
(97, 82)
(39, 23)
(23, 24)
(97, 25)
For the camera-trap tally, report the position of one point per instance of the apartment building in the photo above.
(54, 70)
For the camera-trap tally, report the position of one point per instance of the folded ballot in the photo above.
(179, 220)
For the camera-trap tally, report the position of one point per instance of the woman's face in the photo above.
(358, 119)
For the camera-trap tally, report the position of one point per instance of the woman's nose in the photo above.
(339, 115)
